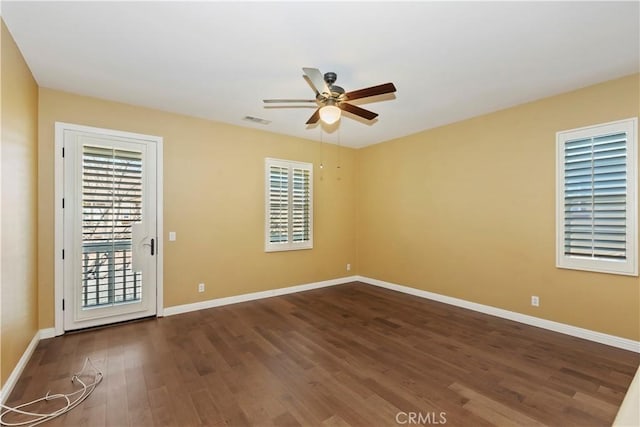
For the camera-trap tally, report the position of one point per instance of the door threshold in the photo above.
(109, 325)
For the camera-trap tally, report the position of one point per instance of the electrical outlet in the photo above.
(201, 287)
(535, 301)
(348, 267)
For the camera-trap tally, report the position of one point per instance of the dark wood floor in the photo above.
(352, 355)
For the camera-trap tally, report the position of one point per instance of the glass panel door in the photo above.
(109, 222)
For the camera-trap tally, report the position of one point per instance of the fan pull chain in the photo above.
(339, 161)
(321, 162)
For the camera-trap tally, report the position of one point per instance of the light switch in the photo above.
(172, 236)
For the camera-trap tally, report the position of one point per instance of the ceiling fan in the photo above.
(332, 99)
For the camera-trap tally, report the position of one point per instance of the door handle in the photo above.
(152, 245)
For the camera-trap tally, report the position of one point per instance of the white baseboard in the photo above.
(563, 328)
(8, 386)
(217, 302)
(47, 333)
(602, 338)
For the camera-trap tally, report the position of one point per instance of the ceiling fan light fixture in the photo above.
(331, 98)
(330, 114)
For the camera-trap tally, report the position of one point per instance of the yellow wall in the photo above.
(213, 200)
(468, 210)
(18, 283)
(465, 210)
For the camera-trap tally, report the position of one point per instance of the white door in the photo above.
(109, 228)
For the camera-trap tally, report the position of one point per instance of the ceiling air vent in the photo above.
(256, 120)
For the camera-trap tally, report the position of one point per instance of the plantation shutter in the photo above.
(289, 218)
(278, 204)
(595, 193)
(596, 204)
(301, 201)
(111, 203)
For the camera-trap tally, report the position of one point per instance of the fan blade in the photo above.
(371, 91)
(314, 117)
(271, 101)
(317, 79)
(365, 114)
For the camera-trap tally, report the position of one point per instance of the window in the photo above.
(596, 204)
(289, 205)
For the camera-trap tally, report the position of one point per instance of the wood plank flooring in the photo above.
(348, 355)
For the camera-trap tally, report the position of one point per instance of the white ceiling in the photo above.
(218, 60)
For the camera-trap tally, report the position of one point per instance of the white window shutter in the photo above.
(111, 204)
(278, 204)
(597, 200)
(289, 205)
(301, 204)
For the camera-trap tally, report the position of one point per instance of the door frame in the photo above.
(60, 128)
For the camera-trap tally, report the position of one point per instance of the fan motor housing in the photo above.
(330, 78)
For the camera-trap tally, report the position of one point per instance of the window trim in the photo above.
(289, 245)
(630, 265)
